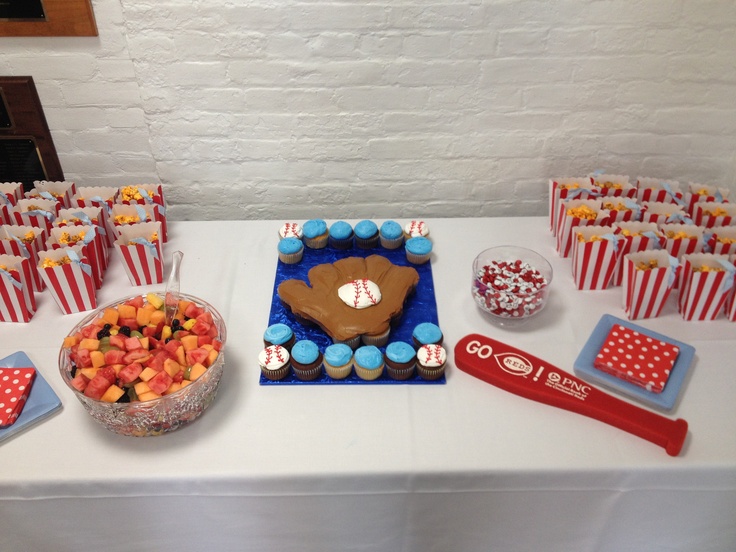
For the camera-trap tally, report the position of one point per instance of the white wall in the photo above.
(363, 108)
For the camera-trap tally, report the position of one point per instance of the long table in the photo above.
(460, 466)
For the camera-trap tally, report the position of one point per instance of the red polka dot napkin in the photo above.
(15, 385)
(637, 358)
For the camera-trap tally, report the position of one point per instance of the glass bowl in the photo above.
(160, 415)
(511, 284)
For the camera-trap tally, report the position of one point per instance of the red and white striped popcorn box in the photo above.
(645, 290)
(568, 219)
(141, 252)
(658, 190)
(721, 240)
(703, 193)
(88, 238)
(95, 216)
(710, 214)
(622, 209)
(13, 191)
(663, 213)
(61, 191)
(147, 194)
(682, 239)
(71, 283)
(127, 214)
(567, 188)
(25, 241)
(98, 196)
(39, 212)
(16, 289)
(730, 307)
(595, 251)
(705, 284)
(634, 236)
(613, 185)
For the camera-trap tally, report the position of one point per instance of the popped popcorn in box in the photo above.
(69, 279)
(649, 277)
(12, 191)
(703, 193)
(730, 307)
(622, 209)
(61, 191)
(98, 196)
(721, 240)
(123, 215)
(90, 216)
(567, 188)
(705, 284)
(574, 213)
(634, 236)
(663, 213)
(147, 194)
(88, 238)
(594, 255)
(39, 212)
(17, 300)
(25, 241)
(658, 190)
(710, 214)
(141, 252)
(613, 185)
(681, 239)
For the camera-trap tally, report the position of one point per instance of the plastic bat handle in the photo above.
(528, 376)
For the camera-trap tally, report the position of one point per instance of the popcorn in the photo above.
(649, 277)
(69, 278)
(706, 282)
(594, 257)
(561, 189)
(574, 213)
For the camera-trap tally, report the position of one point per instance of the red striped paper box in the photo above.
(71, 284)
(18, 302)
(594, 256)
(705, 284)
(649, 277)
(141, 252)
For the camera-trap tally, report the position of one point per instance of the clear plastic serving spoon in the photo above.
(172, 288)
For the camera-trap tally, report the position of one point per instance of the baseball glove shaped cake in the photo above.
(351, 297)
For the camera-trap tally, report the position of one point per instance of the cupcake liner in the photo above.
(377, 340)
(307, 375)
(430, 374)
(401, 374)
(703, 294)
(353, 342)
(338, 372)
(17, 300)
(291, 258)
(367, 374)
(392, 243)
(276, 375)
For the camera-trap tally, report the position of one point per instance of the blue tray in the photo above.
(667, 398)
(42, 401)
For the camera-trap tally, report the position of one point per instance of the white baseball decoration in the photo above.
(360, 294)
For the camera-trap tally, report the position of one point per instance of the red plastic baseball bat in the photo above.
(528, 376)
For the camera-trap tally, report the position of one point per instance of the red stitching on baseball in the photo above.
(368, 292)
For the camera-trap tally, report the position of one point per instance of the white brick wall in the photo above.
(363, 108)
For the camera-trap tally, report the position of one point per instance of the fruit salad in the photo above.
(129, 354)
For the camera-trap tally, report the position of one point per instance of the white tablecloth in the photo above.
(462, 466)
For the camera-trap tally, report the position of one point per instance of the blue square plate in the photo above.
(42, 401)
(666, 399)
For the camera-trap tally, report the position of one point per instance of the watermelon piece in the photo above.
(79, 382)
(198, 355)
(160, 382)
(97, 386)
(114, 356)
(130, 373)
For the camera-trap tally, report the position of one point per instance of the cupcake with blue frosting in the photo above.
(366, 234)
(315, 233)
(418, 250)
(400, 360)
(368, 362)
(279, 334)
(306, 360)
(338, 361)
(427, 333)
(291, 250)
(341, 235)
(391, 234)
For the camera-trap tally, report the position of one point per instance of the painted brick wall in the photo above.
(362, 108)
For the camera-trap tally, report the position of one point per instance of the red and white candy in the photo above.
(510, 289)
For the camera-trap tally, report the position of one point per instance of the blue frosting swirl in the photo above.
(305, 351)
(366, 229)
(290, 245)
(391, 230)
(369, 357)
(278, 334)
(338, 354)
(427, 333)
(419, 246)
(400, 351)
(341, 230)
(313, 228)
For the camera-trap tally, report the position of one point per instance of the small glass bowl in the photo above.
(511, 284)
(158, 416)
